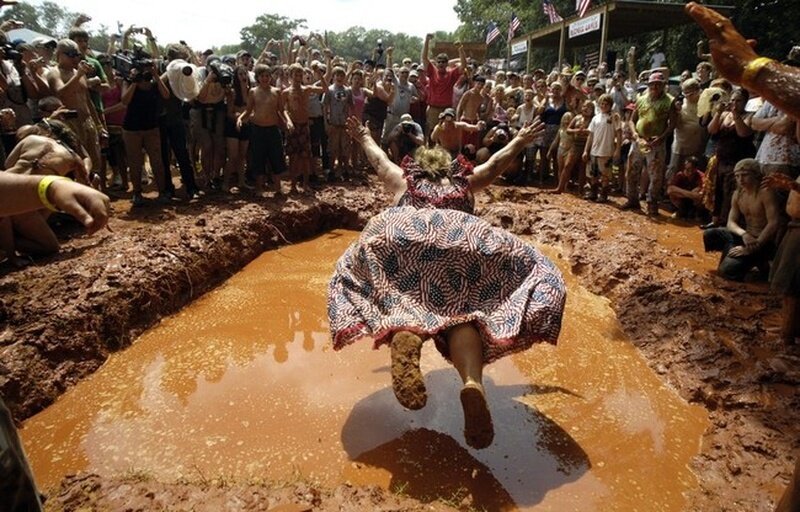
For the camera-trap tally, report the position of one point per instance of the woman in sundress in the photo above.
(428, 268)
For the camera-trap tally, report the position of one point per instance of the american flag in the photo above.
(550, 11)
(492, 32)
(513, 26)
(581, 6)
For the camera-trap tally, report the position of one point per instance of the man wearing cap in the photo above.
(690, 136)
(754, 244)
(405, 138)
(651, 122)
(440, 82)
(405, 94)
(448, 132)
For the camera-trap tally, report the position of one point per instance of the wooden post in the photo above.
(528, 57)
(604, 36)
(562, 44)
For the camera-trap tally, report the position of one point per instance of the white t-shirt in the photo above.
(776, 149)
(604, 128)
(657, 60)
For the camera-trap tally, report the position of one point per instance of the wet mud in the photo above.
(714, 343)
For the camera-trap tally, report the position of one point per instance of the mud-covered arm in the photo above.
(390, 173)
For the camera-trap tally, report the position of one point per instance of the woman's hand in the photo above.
(355, 129)
(530, 131)
(86, 204)
(779, 181)
(730, 51)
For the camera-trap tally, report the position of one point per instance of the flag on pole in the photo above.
(492, 32)
(513, 26)
(581, 6)
(550, 11)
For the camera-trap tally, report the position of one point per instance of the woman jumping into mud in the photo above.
(427, 268)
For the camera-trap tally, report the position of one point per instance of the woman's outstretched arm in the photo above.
(390, 173)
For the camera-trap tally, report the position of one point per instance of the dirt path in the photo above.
(714, 342)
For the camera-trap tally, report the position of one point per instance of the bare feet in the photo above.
(407, 381)
(478, 428)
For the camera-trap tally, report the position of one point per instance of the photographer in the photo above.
(405, 138)
(734, 142)
(171, 121)
(208, 118)
(16, 79)
(142, 93)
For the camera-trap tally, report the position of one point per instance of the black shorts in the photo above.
(232, 133)
(266, 150)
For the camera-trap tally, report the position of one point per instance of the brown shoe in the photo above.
(478, 427)
(407, 381)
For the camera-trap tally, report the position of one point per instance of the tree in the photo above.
(269, 26)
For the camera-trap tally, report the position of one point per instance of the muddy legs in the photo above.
(407, 381)
(466, 352)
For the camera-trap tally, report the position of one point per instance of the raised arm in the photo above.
(735, 59)
(423, 58)
(487, 172)
(390, 173)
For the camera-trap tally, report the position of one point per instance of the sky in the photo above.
(203, 24)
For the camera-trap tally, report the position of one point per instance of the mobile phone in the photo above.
(70, 114)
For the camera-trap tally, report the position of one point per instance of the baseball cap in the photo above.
(40, 42)
(448, 112)
(656, 78)
(242, 53)
(406, 118)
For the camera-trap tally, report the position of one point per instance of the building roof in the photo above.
(626, 18)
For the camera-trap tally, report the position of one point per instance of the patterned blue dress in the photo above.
(428, 264)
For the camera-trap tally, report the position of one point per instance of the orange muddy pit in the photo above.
(243, 385)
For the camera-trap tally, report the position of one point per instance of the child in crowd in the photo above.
(562, 147)
(602, 147)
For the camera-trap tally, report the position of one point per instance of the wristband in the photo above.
(753, 68)
(44, 185)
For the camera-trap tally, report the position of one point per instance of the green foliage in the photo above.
(269, 26)
(360, 43)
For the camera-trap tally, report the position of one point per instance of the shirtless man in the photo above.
(744, 248)
(265, 112)
(468, 110)
(448, 133)
(298, 140)
(68, 80)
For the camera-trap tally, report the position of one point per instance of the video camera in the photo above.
(222, 71)
(11, 52)
(125, 62)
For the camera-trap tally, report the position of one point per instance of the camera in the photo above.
(408, 128)
(70, 114)
(11, 53)
(223, 72)
(124, 63)
(379, 48)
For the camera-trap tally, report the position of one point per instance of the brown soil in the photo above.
(715, 342)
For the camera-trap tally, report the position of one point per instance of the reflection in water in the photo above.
(243, 384)
(516, 457)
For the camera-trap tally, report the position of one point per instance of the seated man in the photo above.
(744, 248)
(685, 188)
(405, 138)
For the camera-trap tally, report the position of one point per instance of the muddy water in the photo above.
(243, 385)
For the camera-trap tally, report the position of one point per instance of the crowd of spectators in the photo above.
(695, 146)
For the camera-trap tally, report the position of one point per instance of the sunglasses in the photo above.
(72, 54)
(441, 61)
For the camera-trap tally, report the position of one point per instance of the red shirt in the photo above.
(440, 85)
(690, 182)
